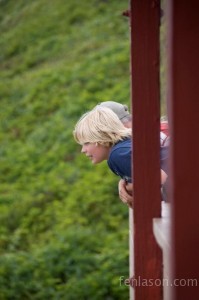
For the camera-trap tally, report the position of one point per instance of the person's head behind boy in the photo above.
(97, 131)
(121, 110)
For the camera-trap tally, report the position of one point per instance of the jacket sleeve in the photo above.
(120, 163)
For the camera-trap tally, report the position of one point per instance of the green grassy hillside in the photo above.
(63, 229)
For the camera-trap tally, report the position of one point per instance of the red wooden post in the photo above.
(145, 17)
(184, 124)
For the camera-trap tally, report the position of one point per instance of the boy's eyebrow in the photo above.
(83, 143)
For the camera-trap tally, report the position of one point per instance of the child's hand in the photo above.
(126, 192)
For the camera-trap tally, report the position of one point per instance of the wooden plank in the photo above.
(145, 16)
(161, 229)
(183, 45)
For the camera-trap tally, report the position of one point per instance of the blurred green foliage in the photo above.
(63, 229)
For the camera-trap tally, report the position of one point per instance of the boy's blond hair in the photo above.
(100, 125)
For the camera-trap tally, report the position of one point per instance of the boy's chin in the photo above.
(95, 162)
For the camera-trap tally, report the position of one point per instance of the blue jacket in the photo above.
(119, 160)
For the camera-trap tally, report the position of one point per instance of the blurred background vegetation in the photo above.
(63, 230)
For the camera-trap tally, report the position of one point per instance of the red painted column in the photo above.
(183, 97)
(145, 16)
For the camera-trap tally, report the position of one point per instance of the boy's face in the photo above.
(97, 153)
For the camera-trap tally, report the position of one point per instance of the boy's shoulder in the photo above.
(120, 159)
(122, 144)
(121, 150)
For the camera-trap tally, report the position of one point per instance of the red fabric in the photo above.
(164, 127)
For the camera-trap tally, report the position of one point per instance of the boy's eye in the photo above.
(87, 143)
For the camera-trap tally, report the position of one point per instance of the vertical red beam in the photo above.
(145, 17)
(183, 45)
